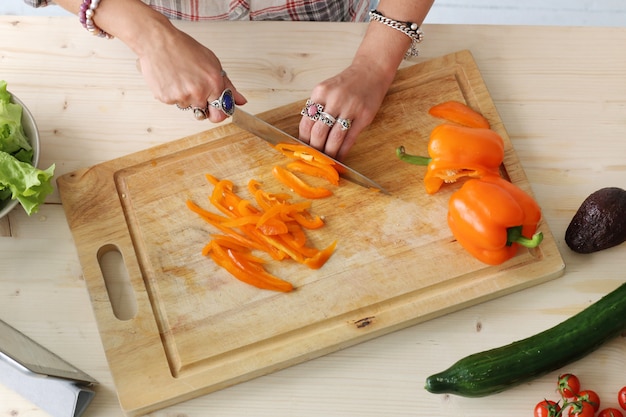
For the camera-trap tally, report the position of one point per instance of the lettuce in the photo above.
(25, 182)
(19, 179)
(12, 137)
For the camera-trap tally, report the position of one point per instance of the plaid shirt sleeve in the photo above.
(311, 10)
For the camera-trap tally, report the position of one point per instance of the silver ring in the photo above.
(183, 108)
(345, 123)
(312, 110)
(199, 114)
(223, 73)
(327, 119)
(225, 103)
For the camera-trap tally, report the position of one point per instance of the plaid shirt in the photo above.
(313, 10)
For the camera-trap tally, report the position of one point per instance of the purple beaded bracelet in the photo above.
(85, 15)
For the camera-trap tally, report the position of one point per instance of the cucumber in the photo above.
(499, 369)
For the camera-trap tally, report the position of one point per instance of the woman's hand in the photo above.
(181, 71)
(355, 95)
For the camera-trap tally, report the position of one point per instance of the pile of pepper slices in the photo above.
(489, 216)
(269, 222)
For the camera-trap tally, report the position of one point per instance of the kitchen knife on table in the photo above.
(275, 136)
(36, 373)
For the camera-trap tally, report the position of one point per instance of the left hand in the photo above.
(354, 94)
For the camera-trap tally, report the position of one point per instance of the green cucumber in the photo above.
(499, 369)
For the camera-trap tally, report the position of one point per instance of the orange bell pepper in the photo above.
(490, 217)
(456, 152)
(457, 112)
(298, 186)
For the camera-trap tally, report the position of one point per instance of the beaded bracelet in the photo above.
(85, 15)
(410, 29)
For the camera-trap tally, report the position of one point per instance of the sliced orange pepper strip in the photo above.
(317, 261)
(205, 213)
(457, 112)
(227, 241)
(247, 271)
(267, 200)
(303, 251)
(245, 208)
(303, 152)
(298, 235)
(278, 243)
(212, 179)
(216, 220)
(314, 169)
(240, 221)
(298, 186)
(273, 226)
(308, 221)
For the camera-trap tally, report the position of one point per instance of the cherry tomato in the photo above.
(621, 398)
(610, 412)
(568, 385)
(547, 408)
(581, 409)
(591, 397)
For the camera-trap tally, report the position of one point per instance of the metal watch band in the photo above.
(410, 29)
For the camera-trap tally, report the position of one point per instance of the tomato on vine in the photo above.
(568, 385)
(581, 409)
(621, 397)
(547, 408)
(610, 412)
(591, 397)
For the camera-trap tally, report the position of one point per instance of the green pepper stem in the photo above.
(514, 235)
(412, 159)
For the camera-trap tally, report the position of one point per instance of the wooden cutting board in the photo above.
(194, 329)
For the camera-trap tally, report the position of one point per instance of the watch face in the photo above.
(20, 350)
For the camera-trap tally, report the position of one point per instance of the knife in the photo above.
(275, 136)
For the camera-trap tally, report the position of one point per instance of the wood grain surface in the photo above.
(197, 329)
(559, 91)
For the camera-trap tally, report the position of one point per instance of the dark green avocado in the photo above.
(599, 223)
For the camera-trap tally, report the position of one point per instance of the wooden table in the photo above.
(561, 93)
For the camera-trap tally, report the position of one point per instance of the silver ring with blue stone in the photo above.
(225, 103)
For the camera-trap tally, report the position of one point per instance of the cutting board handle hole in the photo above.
(117, 282)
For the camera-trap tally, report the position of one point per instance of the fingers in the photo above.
(219, 104)
(325, 130)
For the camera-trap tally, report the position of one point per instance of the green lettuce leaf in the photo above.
(26, 183)
(12, 137)
(19, 179)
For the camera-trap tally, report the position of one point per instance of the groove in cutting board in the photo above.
(197, 329)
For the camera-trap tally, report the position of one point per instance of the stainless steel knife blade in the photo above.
(18, 349)
(275, 136)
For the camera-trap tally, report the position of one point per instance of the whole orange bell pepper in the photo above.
(456, 152)
(490, 217)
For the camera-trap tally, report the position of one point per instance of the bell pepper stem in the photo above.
(514, 235)
(412, 159)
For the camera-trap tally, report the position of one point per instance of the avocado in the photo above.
(599, 223)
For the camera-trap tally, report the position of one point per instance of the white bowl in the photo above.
(32, 133)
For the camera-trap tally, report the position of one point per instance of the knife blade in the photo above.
(274, 135)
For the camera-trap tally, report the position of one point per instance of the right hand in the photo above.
(179, 70)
